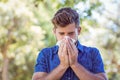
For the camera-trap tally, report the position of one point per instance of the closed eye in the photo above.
(71, 33)
(61, 33)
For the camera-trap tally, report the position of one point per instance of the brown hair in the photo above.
(65, 16)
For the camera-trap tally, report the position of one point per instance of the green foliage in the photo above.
(20, 39)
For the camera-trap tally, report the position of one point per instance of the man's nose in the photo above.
(66, 36)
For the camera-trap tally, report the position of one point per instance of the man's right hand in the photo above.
(63, 55)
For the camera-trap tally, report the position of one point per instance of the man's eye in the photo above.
(71, 33)
(61, 33)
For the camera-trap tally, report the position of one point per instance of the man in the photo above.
(68, 60)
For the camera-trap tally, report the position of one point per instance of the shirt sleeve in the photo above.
(41, 65)
(98, 65)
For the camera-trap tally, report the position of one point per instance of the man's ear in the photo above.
(79, 30)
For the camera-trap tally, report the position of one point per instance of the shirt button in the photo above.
(68, 78)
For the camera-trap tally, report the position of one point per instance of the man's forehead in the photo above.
(67, 30)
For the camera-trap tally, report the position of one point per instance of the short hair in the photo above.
(65, 16)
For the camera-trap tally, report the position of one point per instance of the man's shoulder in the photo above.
(86, 49)
(90, 49)
(91, 52)
(49, 50)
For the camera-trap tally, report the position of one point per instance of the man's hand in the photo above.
(72, 52)
(62, 53)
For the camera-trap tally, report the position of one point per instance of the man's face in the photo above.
(70, 30)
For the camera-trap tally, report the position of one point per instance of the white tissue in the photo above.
(59, 42)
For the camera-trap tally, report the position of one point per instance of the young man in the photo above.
(68, 60)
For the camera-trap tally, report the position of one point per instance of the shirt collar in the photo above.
(56, 47)
(79, 46)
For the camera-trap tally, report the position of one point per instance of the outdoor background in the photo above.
(26, 28)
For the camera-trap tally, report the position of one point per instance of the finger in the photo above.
(64, 48)
(61, 47)
(75, 50)
(62, 43)
(69, 48)
(72, 45)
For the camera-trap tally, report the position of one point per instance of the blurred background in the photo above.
(26, 28)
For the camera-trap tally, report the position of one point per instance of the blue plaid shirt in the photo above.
(88, 57)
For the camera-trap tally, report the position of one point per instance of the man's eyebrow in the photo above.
(60, 32)
(71, 32)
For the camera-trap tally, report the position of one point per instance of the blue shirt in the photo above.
(88, 57)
